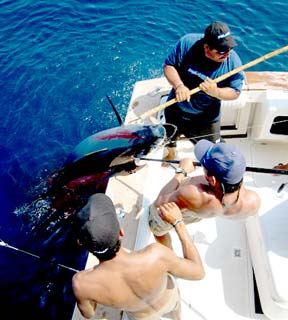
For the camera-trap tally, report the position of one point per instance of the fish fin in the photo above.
(121, 159)
(120, 121)
(76, 156)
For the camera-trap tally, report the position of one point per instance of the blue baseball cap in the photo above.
(223, 160)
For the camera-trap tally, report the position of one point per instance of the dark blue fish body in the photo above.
(120, 141)
(100, 156)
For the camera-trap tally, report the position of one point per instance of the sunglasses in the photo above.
(224, 52)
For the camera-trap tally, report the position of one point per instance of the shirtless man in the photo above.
(140, 282)
(219, 193)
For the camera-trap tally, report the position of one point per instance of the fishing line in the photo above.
(174, 130)
(6, 245)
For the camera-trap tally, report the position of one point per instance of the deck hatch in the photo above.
(280, 125)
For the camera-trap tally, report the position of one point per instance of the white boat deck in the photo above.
(227, 291)
(227, 265)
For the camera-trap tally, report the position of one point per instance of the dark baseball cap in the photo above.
(223, 160)
(100, 227)
(218, 36)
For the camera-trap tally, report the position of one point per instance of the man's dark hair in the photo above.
(230, 188)
(227, 187)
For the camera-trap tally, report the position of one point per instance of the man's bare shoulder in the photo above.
(154, 248)
(193, 187)
(152, 261)
(252, 200)
(196, 197)
(248, 205)
(82, 280)
(188, 192)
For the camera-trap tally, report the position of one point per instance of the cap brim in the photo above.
(201, 148)
(226, 44)
(84, 213)
(96, 205)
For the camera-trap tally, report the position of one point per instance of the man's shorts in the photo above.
(173, 304)
(159, 227)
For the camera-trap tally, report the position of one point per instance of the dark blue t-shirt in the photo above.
(193, 67)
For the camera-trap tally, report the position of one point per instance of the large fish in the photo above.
(97, 158)
(50, 226)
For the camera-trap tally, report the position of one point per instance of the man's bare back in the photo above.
(140, 282)
(131, 282)
(195, 194)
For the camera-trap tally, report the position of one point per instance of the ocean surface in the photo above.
(59, 60)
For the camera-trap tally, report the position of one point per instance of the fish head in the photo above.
(124, 140)
(118, 145)
(112, 149)
(97, 158)
(137, 141)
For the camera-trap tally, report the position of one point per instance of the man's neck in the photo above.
(235, 195)
(228, 200)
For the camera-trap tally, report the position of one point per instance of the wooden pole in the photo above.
(223, 77)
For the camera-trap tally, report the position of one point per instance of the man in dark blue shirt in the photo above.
(195, 62)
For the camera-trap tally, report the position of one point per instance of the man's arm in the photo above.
(86, 306)
(190, 266)
(172, 75)
(166, 194)
(175, 182)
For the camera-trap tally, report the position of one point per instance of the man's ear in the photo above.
(121, 233)
(211, 180)
(214, 180)
(79, 243)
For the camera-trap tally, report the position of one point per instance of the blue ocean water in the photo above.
(59, 60)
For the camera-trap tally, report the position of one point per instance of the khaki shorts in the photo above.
(159, 227)
(173, 304)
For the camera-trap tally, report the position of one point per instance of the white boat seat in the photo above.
(272, 116)
(267, 235)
